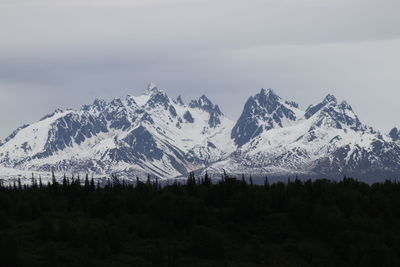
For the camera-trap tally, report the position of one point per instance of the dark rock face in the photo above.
(261, 113)
(180, 101)
(214, 118)
(145, 117)
(205, 104)
(172, 111)
(211, 144)
(188, 117)
(71, 129)
(394, 134)
(117, 114)
(158, 98)
(141, 145)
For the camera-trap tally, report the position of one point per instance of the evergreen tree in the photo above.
(87, 183)
(33, 181)
(266, 181)
(92, 185)
(207, 180)
(53, 178)
(19, 184)
(78, 180)
(64, 182)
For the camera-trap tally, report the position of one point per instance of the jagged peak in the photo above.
(158, 97)
(268, 91)
(330, 98)
(206, 104)
(130, 100)
(394, 134)
(345, 105)
(116, 102)
(292, 104)
(205, 101)
(262, 112)
(394, 129)
(268, 101)
(99, 102)
(151, 87)
(313, 109)
(56, 111)
(204, 97)
(267, 98)
(199, 103)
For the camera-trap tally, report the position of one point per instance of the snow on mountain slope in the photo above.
(28, 141)
(162, 136)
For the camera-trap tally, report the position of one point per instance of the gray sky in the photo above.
(65, 53)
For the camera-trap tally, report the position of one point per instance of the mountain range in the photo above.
(154, 134)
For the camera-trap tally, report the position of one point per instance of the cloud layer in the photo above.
(66, 53)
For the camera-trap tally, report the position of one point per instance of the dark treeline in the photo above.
(198, 223)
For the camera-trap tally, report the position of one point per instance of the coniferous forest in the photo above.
(199, 223)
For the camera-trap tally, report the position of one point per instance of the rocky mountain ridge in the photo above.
(166, 138)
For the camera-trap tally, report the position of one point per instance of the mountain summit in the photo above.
(263, 112)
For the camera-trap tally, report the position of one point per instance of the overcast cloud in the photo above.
(65, 53)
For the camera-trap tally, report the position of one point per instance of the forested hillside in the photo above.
(200, 223)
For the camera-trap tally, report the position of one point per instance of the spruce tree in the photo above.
(207, 180)
(266, 181)
(64, 182)
(87, 183)
(53, 178)
(33, 181)
(19, 184)
(92, 186)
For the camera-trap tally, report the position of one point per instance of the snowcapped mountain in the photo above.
(148, 134)
(162, 136)
(275, 137)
